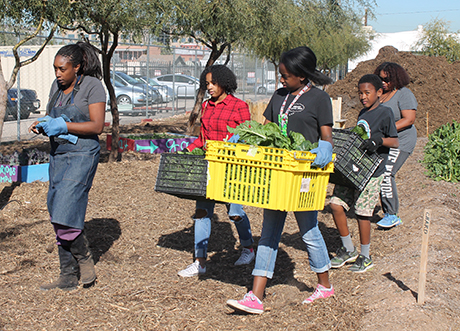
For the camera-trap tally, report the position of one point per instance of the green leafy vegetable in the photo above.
(442, 153)
(269, 135)
(196, 151)
(361, 131)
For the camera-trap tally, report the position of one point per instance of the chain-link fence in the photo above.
(149, 80)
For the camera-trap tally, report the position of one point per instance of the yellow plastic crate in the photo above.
(266, 177)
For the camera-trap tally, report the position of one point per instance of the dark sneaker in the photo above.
(389, 221)
(361, 264)
(343, 256)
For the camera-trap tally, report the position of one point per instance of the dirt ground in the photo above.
(141, 238)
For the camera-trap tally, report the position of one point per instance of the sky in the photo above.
(406, 15)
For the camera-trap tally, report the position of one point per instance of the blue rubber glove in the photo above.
(70, 137)
(323, 154)
(53, 126)
(44, 119)
(234, 139)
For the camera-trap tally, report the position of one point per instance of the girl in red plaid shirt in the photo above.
(222, 109)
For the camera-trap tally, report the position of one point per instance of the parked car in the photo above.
(130, 91)
(29, 103)
(185, 86)
(268, 87)
(166, 92)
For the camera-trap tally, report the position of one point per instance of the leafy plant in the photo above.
(26, 157)
(155, 136)
(361, 131)
(442, 153)
(269, 135)
(195, 151)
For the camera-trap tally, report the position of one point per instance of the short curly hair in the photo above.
(371, 79)
(222, 76)
(397, 75)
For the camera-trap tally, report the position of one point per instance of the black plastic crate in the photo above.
(182, 175)
(353, 167)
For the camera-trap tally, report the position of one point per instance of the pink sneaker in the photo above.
(250, 304)
(320, 293)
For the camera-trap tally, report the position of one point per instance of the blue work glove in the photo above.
(323, 154)
(372, 145)
(44, 119)
(70, 137)
(53, 126)
(234, 139)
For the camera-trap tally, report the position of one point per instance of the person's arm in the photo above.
(390, 142)
(326, 133)
(407, 119)
(266, 121)
(95, 125)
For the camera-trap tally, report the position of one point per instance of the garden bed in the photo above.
(152, 143)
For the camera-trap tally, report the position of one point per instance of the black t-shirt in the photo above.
(311, 111)
(379, 122)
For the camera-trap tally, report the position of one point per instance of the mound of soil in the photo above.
(434, 82)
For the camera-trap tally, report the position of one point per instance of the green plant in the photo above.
(269, 135)
(154, 136)
(442, 153)
(26, 157)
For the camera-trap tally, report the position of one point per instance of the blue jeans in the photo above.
(272, 229)
(203, 226)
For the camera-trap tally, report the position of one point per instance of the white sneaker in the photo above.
(246, 257)
(192, 270)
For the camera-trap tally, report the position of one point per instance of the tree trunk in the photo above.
(193, 121)
(113, 109)
(3, 99)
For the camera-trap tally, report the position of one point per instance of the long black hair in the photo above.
(85, 55)
(301, 62)
(222, 76)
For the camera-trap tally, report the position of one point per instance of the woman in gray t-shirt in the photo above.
(404, 105)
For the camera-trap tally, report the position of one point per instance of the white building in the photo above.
(403, 41)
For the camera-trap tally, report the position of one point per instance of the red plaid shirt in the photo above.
(215, 118)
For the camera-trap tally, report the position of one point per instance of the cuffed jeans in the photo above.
(203, 226)
(272, 229)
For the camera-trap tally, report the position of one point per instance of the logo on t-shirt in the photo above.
(296, 108)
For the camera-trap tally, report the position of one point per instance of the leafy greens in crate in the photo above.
(269, 135)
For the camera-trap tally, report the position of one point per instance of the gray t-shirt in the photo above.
(91, 91)
(402, 100)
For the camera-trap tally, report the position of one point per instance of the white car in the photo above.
(268, 87)
(184, 86)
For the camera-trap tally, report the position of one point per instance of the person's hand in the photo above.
(323, 154)
(372, 145)
(234, 138)
(53, 126)
(33, 128)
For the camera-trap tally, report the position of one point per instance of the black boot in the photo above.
(68, 279)
(80, 250)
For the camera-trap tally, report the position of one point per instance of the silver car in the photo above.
(165, 92)
(269, 87)
(184, 86)
(134, 95)
(123, 80)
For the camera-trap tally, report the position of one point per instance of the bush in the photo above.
(442, 151)
(26, 157)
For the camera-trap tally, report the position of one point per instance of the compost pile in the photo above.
(434, 82)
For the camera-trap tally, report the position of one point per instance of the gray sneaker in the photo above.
(343, 256)
(362, 264)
